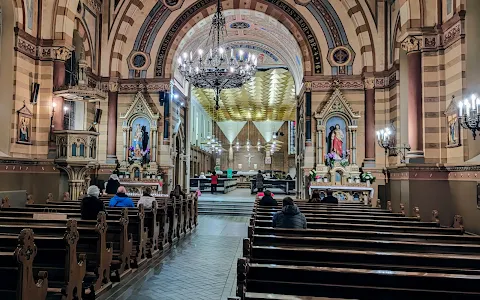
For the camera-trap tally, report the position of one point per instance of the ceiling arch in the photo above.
(253, 32)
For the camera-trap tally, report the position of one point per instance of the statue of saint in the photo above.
(337, 137)
(138, 137)
(24, 136)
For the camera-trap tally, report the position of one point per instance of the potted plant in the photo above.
(349, 180)
(325, 178)
(317, 178)
(312, 175)
(368, 178)
(357, 179)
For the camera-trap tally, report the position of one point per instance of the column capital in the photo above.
(62, 53)
(411, 44)
(369, 83)
(113, 86)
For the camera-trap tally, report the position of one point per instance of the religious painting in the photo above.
(24, 126)
(336, 138)
(453, 125)
(140, 139)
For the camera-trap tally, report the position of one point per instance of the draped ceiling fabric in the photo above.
(231, 129)
(270, 95)
(267, 128)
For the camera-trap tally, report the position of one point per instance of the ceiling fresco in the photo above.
(270, 95)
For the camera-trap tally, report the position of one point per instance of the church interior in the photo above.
(193, 109)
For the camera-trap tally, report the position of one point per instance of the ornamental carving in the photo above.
(113, 86)
(452, 34)
(26, 250)
(26, 47)
(411, 44)
(369, 83)
(62, 53)
(71, 235)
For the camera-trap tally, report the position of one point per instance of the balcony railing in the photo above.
(76, 146)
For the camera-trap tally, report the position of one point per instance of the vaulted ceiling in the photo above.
(270, 95)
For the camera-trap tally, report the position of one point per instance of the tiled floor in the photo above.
(201, 267)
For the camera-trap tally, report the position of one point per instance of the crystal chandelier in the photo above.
(217, 69)
(469, 114)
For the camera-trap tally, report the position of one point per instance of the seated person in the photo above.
(177, 192)
(91, 205)
(202, 176)
(267, 199)
(330, 199)
(146, 199)
(315, 196)
(288, 177)
(290, 216)
(113, 184)
(121, 199)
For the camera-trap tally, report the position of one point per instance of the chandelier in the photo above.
(218, 68)
(469, 114)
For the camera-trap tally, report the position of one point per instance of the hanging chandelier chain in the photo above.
(215, 69)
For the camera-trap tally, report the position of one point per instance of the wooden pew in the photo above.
(92, 241)
(16, 268)
(352, 283)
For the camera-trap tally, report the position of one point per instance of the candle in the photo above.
(460, 107)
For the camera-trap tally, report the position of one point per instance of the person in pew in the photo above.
(113, 184)
(290, 216)
(66, 196)
(146, 199)
(177, 192)
(91, 204)
(202, 175)
(267, 199)
(121, 199)
(315, 197)
(330, 199)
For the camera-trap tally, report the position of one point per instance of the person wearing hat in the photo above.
(91, 205)
(290, 216)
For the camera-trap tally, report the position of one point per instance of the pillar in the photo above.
(188, 136)
(112, 122)
(415, 110)
(319, 146)
(61, 55)
(308, 118)
(369, 122)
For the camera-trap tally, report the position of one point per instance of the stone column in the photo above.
(369, 122)
(319, 146)
(60, 56)
(188, 134)
(415, 110)
(112, 122)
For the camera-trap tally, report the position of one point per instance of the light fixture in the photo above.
(65, 108)
(386, 140)
(216, 69)
(469, 114)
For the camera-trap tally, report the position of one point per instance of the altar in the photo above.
(353, 192)
(137, 187)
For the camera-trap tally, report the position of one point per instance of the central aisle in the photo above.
(201, 267)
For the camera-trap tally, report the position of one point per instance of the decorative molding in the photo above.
(94, 5)
(26, 47)
(327, 85)
(113, 86)
(62, 53)
(369, 83)
(148, 87)
(411, 44)
(337, 103)
(452, 34)
(173, 4)
(140, 106)
(341, 56)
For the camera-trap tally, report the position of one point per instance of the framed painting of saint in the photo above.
(24, 126)
(453, 125)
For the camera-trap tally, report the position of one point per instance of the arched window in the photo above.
(74, 149)
(82, 150)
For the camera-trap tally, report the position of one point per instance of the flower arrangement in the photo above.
(344, 162)
(329, 159)
(367, 177)
(313, 174)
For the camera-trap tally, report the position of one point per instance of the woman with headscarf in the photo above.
(113, 184)
(91, 205)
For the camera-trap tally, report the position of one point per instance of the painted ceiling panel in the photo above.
(270, 95)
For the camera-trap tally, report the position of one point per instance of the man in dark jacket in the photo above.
(290, 216)
(330, 199)
(121, 199)
(91, 205)
(267, 199)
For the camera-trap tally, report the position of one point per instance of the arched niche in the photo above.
(337, 117)
(140, 130)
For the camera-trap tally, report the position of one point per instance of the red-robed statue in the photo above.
(336, 142)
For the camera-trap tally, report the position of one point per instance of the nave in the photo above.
(203, 266)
